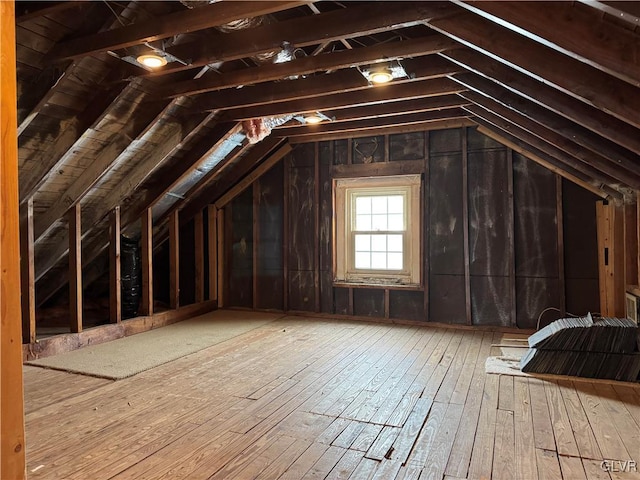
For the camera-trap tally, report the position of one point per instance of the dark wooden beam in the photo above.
(355, 21)
(198, 222)
(556, 160)
(589, 117)
(26, 11)
(547, 161)
(166, 26)
(75, 269)
(27, 270)
(368, 96)
(612, 152)
(359, 125)
(595, 160)
(212, 241)
(311, 64)
(629, 12)
(573, 29)
(146, 305)
(392, 108)
(115, 278)
(589, 85)
(386, 130)
(287, 90)
(221, 255)
(174, 261)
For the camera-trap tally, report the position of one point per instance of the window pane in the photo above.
(363, 260)
(363, 205)
(394, 261)
(378, 222)
(394, 243)
(363, 243)
(363, 223)
(396, 204)
(379, 243)
(396, 222)
(379, 204)
(379, 261)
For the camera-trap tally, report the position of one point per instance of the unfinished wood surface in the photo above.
(297, 398)
(212, 239)
(75, 269)
(146, 306)
(12, 446)
(198, 222)
(115, 290)
(174, 260)
(27, 273)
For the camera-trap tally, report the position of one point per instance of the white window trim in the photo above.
(347, 188)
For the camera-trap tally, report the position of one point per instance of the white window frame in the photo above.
(346, 190)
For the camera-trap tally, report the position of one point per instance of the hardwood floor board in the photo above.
(482, 453)
(562, 431)
(459, 394)
(304, 425)
(609, 441)
(631, 401)
(436, 461)
(460, 457)
(345, 466)
(333, 430)
(365, 470)
(304, 462)
(366, 437)
(277, 469)
(504, 448)
(547, 464)
(388, 469)
(542, 429)
(583, 434)
(262, 391)
(259, 464)
(428, 436)
(525, 452)
(383, 443)
(325, 463)
(571, 468)
(409, 472)
(505, 395)
(593, 469)
(403, 444)
(349, 434)
(449, 384)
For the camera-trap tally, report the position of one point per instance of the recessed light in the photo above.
(383, 75)
(313, 119)
(152, 60)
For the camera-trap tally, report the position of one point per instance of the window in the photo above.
(378, 230)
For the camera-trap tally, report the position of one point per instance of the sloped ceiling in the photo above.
(556, 81)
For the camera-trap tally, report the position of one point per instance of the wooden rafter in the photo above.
(355, 21)
(579, 112)
(166, 26)
(576, 30)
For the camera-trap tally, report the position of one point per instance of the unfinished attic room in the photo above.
(292, 240)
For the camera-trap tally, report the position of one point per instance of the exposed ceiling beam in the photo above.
(311, 64)
(387, 130)
(625, 10)
(26, 11)
(360, 125)
(208, 16)
(610, 151)
(573, 29)
(570, 76)
(390, 108)
(541, 158)
(593, 159)
(338, 82)
(589, 117)
(571, 162)
(355, 21)
(368, 96)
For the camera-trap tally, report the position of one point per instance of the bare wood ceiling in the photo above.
(556, 81)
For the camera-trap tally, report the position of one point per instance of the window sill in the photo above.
(383, 286)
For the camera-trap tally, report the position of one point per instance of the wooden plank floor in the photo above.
(316, 399)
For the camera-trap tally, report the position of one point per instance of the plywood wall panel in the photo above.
(406, 304)
(240, 251)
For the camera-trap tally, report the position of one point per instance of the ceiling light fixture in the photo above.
(381, 75)
(313, 118)
(152, 60)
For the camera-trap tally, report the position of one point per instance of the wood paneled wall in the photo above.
(504, 238)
